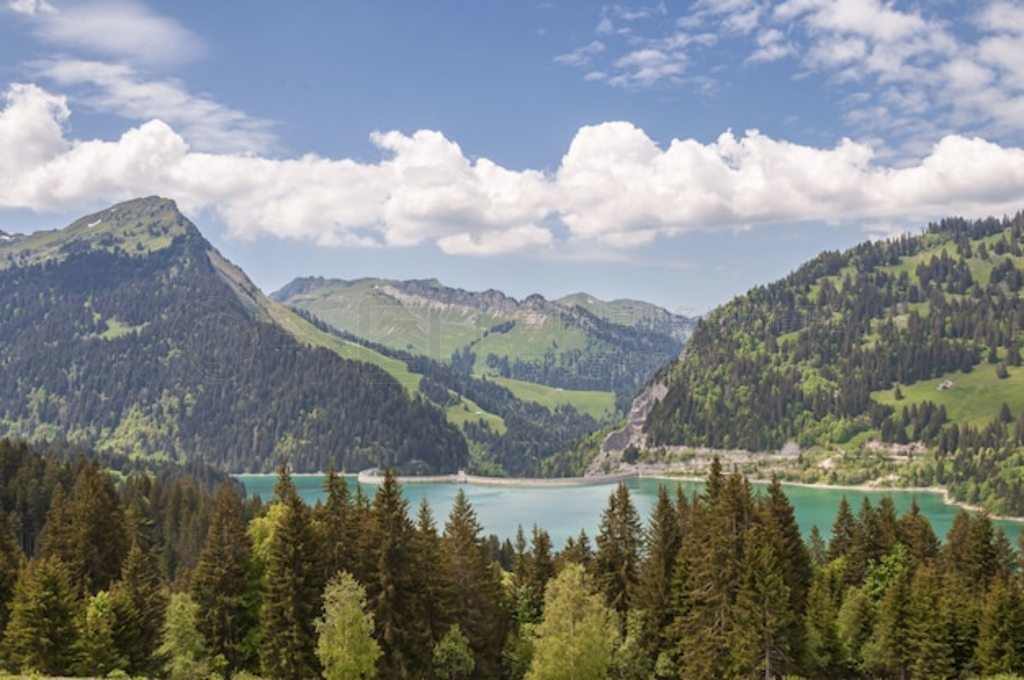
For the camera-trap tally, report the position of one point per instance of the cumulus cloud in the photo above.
(615, 187)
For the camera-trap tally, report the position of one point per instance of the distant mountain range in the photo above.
(130, 333)
(574, 343)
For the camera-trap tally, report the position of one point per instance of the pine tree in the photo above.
(915, 532)
(843, 529)
(540, 566)
(817, 548)
(761, 638)
(824, 650)
(432, 579)
(929, 650)
(478, 595)
(345, 644)
(576, 551)
(98, 529)
(336, 524)
(576, 638)
(40, 634)
(1000, 646)
(183, 645)
(397, 608)
(889, 644)
(292, 590)
(220, 583)
(617, 561)
(139, 602)
(795, 562)
(10, 562)
(654, 588)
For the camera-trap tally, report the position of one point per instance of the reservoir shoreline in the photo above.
(370, 477)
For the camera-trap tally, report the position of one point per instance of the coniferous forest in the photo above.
(161, 575)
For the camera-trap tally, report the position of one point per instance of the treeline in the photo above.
(533, 432)
(718, 584)
(157, 355)
(801, 356)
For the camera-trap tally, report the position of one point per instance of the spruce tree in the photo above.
(291, 590)
(929, 649)
(220, 583)
(478, 604)
(99, 529)
(138, 601)
(889, 648)
(433, 585)
(915, 532)
(843, 529)
(617, 561)
(795, 562)
(1000, 648)
(762, 633)
(41, 634)
(654, 589)
(336, 524)
(397, 607)
(10, 563)
(817, 548)
(540, 566)
(824, 651)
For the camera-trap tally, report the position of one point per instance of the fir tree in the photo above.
(824, 651)
(654, 589)
(336, 524)
(843, 529)
(915, 532)
(478, 594)
(1000, 647)
(929, 651)
(292, 591)
(817, 548)
(138, 601)
(220, 583)
(617, 561)
(40, 634)
(397, 608)
(10, 562)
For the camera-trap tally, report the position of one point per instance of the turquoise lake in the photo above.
(563, 511)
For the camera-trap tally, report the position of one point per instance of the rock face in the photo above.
(631, 435)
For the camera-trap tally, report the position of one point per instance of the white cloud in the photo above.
(581, 56)
(119, 89)
(121, 29)
(645, 67)
(614, 188)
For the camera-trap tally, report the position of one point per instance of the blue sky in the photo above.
(676, 152)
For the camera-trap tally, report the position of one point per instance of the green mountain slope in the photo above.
(859, 354)
(569, 349)
(127, 331)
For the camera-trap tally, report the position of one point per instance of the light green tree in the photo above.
(184, 647)
(576, 639)
(453, 657)
(95, 649)
(345, 644)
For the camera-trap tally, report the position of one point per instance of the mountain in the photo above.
(129, 332)
(575, 343)
(896, 360)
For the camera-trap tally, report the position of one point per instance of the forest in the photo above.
(160, 576)
(156, 355)
(806, 359)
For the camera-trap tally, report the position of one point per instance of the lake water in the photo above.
(563, 511)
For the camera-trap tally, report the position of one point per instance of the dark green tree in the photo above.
(617, 561)
(292, 590)
(10, 563)
(653, 595)
(220, 583)
(138, 601)
(41, 634)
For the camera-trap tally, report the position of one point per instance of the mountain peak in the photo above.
(135, 227)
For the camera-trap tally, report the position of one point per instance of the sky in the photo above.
(674, 152)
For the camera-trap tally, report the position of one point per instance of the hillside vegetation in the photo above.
(916, 339)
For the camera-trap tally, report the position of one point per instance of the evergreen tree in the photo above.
(183, 645)
(1000, 647)
(220, 584)
(453, 657)
(617, 561)
(96, 531)
(478, 595)
(929, 650)
(633, 659)
(824, 655)
(817, 548)
(397, 608)
(762, 633)
(95, 651)
(540, 566)
(915, 532)
(138, 602)
(889, 648)
(10, 562)
(337, 526)
(433, 585)
(40, 634)
(654, 588)
(794, 561)
(291, 600)
(578, 634)
(345, 644)
(843, 529)
(577, 551)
